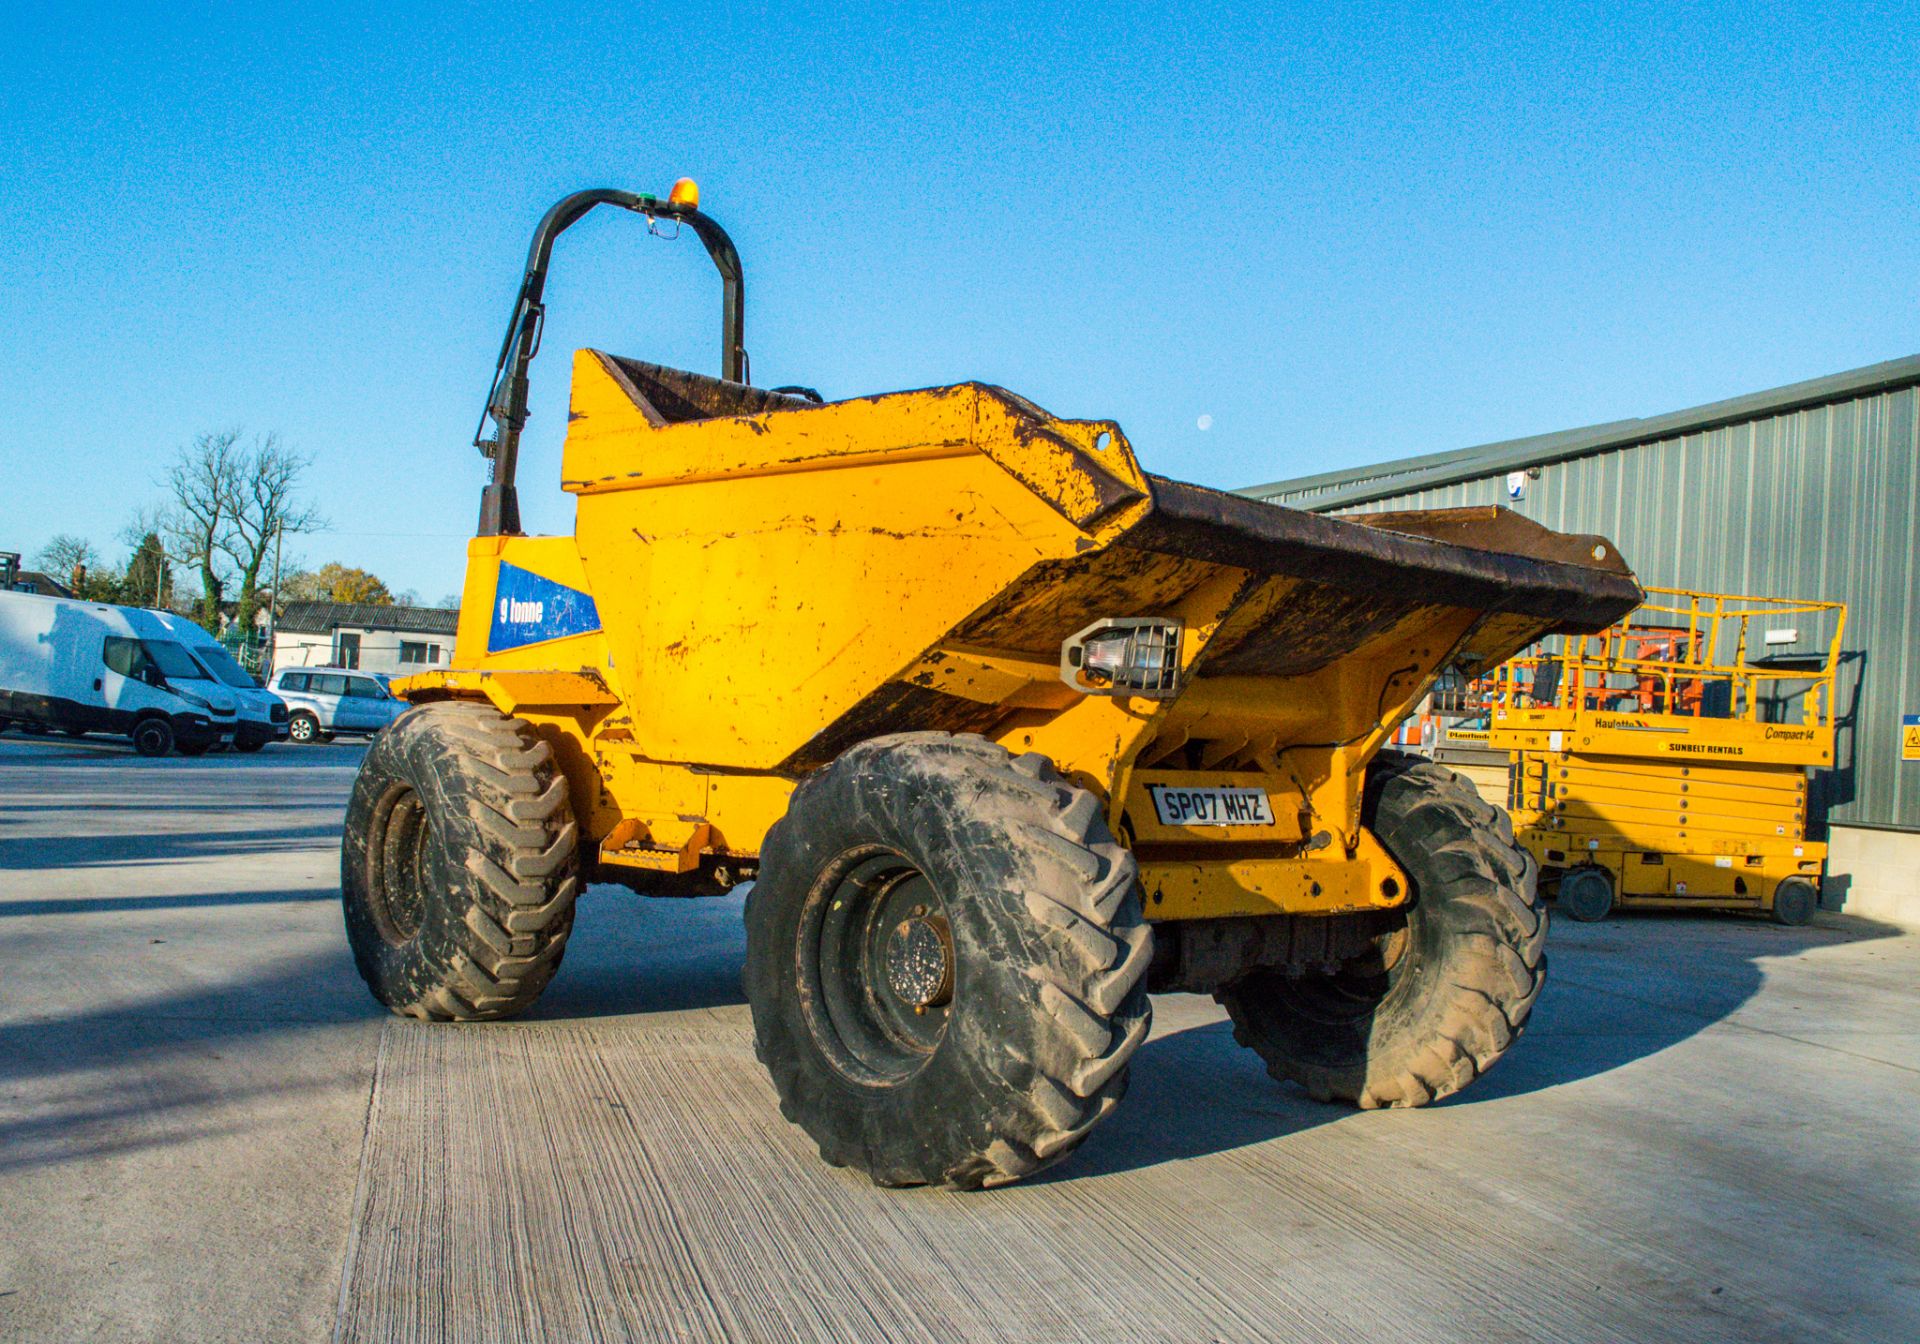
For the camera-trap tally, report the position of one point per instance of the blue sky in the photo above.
(1342, 233)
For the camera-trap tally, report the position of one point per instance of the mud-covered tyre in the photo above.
(153, 737)
(1794, 901)
(946, 962)
(1441, 998)
(458, 865)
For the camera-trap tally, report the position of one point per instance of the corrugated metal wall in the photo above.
(1821, 503)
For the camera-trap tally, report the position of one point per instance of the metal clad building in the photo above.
(1810, 491)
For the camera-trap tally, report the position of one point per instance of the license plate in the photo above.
(1211, 806)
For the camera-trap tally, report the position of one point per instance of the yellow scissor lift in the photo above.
(1664, 762)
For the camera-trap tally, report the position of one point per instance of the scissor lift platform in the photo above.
(1665, 762)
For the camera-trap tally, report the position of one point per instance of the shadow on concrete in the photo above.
(137, 1073)
(107, 905)
(1616, 992)
(1642, 981)
(1193, 1092)
(632, 954)
(141, 849)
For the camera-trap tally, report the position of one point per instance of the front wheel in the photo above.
(153, 737)
(1439, 998)
(946, 962)
(457, 865)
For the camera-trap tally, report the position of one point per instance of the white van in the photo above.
(263, 715)
(86, 667)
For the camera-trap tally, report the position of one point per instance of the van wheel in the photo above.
(1441, 998)
(946, 962)
(457, 866)
(249, 744)
(153, 737)
(303, 728)
(193, 748)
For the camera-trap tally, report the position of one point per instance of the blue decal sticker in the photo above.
(528, 609)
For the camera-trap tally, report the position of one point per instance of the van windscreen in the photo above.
(219, 662)
(173, 660)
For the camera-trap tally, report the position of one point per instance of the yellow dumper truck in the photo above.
(1005, 732)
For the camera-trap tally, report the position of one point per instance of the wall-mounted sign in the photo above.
(1516, 485)
(1910, 737)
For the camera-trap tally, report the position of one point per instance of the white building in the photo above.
(395, 640)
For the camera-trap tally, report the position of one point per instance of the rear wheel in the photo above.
(1794, 901)
(1440, 998)
(946, 962)
(1586, 894)
(153, 737)
(457, 865)
(303, 727)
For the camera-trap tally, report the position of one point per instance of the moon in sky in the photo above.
(1205, 422)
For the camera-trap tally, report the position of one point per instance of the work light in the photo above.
(1124, 655)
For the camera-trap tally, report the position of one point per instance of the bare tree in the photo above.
(66, 553)
(231, 503)
(262, 510)
(204, 481)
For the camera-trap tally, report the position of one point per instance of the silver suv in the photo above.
(322, 701)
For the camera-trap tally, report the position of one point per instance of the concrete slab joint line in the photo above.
(358, 1220)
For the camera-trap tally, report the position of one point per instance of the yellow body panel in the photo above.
(776, 585)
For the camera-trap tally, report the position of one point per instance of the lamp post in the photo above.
(273, 604)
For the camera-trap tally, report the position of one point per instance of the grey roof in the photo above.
(1384, 480)
(33, 580)
(322, 618)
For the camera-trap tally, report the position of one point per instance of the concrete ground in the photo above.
(208, 1132)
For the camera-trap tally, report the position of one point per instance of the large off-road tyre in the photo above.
(458, 865)
(1441, 998)
(939, 873)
